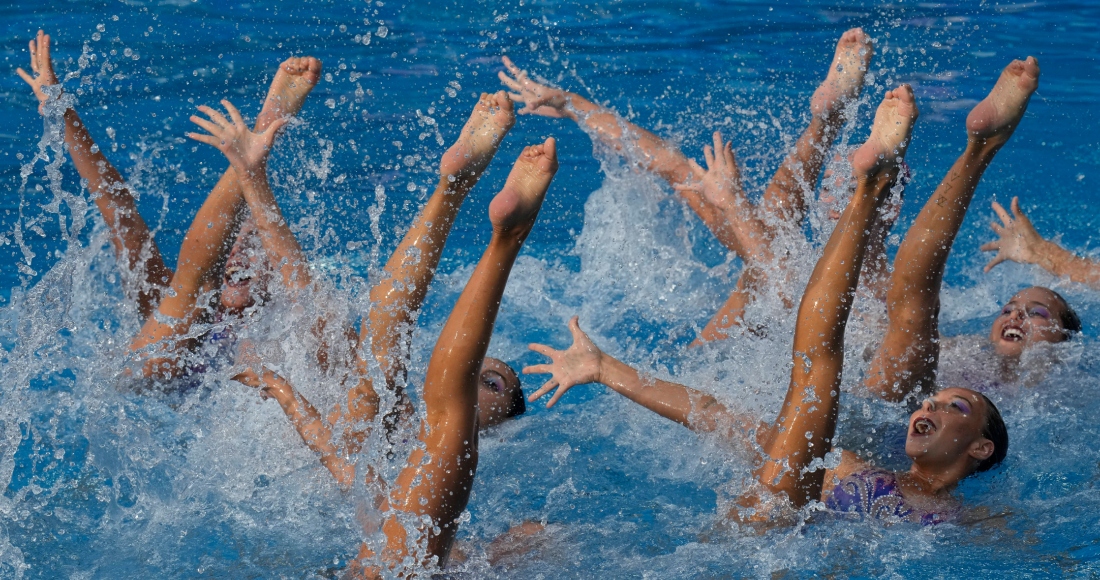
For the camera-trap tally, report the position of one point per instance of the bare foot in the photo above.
(295, 79)
(514, 209)
(885, 148)
(995, 118)
(492, 118)
(845, 80)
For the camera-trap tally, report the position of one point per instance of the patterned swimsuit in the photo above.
(874, 494)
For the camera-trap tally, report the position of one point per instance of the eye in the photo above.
(1007, 309)
(493, 382)
(1039, 311)
(961, 406)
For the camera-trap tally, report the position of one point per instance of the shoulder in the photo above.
(850, 464)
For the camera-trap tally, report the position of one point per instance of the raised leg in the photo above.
(437, 479)
(410, 270)
(909, 355)
(785, 198)
(806, 423)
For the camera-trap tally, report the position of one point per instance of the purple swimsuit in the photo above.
(874, 493)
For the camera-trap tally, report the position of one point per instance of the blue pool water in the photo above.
(101, 483)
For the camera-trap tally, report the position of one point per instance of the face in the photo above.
(1032, 316)
(948, 428)
(495, 392)
(242, 281)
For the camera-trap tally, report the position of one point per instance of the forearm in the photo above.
(1063, 263)
(689, 407)
(314, 432)
(278, 241)
(657, 154)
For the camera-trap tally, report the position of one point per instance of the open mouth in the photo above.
(236, 275)
(923, 426)
(1012, 334)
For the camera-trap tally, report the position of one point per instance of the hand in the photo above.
(271, 385)
(42, 66)
(1018, 241)
(537, 99)
(578, 365)
(246, 151)
(720, 184)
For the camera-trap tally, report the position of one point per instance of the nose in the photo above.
(928, 405)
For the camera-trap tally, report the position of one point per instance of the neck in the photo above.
(934, 481)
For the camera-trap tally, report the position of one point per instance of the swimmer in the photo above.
(1019, 241)
(396, 301)
(209, 242)
(907, 360)
(956, 433)
(716, 194)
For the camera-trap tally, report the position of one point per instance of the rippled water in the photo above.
(104, 483)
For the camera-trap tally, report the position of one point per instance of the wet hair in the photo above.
(1071, 323)
(994, 430)
(518, 404)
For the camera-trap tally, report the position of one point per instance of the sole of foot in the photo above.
(292, 84)
(490, 121)
(996, 117)
(885, 148)
(514, 209)
(846, 73)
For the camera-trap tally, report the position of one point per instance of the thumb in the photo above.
(996, 260)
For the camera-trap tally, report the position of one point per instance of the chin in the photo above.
(1008, 349)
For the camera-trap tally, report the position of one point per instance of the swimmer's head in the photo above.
(957, 429)
(245, 276)
(1033, 315)
(499, 396)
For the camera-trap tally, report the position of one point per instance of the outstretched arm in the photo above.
(133, 243)
(803, 431)
(656, 154)
(909, 355)
(306, 420)
(1018, 241)
(247, 153)
(584, 362)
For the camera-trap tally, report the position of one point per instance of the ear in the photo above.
(981, 449)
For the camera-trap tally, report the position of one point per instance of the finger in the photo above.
(690, 186)
(272, 130)
(998, 229)
(208, 139)
(44, 52)
(543, 369)
(575, 328)
(210, 127)
(26, 77)
(545, 388)
(996, 260)
(215, 116)
(1001, 213)
(708, 156)
(731, 159)
(509, 81)
(717, 136)
(511, 66)
(233, 113)
(1016, 211)
(33, 46)
(991, 246)
(557, 395)
(542, 349)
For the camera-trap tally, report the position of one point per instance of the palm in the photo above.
(246, 151)
(577, 365)
(1017, 241)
